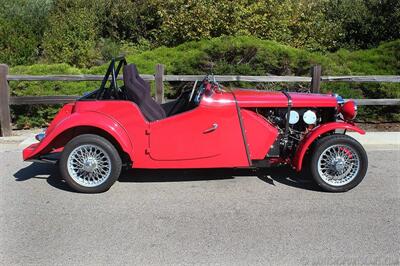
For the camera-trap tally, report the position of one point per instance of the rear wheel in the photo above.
(338, 163)
(90, 163)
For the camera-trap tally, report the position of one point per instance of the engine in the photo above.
(293, 125)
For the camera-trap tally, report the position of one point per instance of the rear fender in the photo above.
(314, 134)
(89, 119)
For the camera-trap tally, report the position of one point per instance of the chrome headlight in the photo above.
(349, 110)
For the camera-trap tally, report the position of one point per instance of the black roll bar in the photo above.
(114, 72)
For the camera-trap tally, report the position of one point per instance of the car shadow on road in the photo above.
(43, 171)
(175, 175)
(271, 176)
(285, 175)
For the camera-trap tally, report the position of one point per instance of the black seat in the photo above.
(138, 91)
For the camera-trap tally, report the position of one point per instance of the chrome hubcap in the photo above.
(338, 165)
(89, 165)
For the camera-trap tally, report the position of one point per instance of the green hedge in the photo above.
(230, 55)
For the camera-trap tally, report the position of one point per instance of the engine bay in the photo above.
(293, 127)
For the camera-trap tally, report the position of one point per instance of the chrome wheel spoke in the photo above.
(89, 165)
(338, 165)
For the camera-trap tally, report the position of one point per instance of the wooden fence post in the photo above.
(5, 119)
(315, 79)
(159, 80)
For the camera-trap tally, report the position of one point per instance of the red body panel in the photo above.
(257, 98)
(30, 151)
(260, 134)
(315, 133)
(97, 114)
(175, 142)
(190, 140)
(212, 135)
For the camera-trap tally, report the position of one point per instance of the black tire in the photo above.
(105, 147)
(327, 142)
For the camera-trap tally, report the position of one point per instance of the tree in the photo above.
(72, 32)
(297, 23)
(22, 24)
(365, 23)
(130, 20)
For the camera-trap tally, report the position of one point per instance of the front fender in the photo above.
(90, 119)
(315, 133)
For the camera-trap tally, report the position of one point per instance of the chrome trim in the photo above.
(211, 129)
(89, 165)
(338, 165)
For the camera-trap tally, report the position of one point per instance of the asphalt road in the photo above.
(198, 217)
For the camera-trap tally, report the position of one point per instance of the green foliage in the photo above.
(50, 87)
(235, 55)
(22, 24)
(383, 60)
(108, 49)
(86, 33)
(231, 55)
(45, 69)
(131, 20)
(89, 32)
(364, 23)
(297, 23)
(185, 20)
(71, 35)
(28, 116)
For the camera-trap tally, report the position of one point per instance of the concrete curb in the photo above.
(377, 138)
(13, 139)
(391, 139)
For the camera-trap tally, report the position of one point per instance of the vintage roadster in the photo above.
(208, 126)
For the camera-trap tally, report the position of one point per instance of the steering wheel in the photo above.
(206, 84)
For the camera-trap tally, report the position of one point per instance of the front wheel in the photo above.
(90, 163)
(338, 163)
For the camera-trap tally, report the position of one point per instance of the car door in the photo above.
(207, 136)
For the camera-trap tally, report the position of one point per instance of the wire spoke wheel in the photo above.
(89, 165)
(338, 164)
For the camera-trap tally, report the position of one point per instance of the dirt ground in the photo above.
(374, 127)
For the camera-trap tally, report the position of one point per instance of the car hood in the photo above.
(258, 98)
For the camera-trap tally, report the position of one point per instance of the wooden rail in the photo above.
(220, 78)
(159, 78)
(18, 100)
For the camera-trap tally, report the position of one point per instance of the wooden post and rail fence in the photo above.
(159, 77)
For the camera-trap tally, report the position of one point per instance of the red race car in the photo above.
(208, 126)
